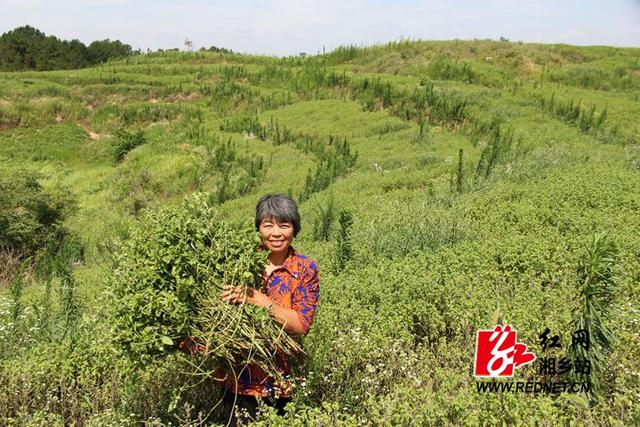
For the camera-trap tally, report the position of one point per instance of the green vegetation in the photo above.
(166, 288)
(29, 214)
(31, 222)
(26, 48)
(126, 141)
(599, 278)
(343, 251)
(444, 187)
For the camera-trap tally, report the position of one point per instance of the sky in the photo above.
(289, 27)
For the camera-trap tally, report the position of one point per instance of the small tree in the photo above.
(29, 213)
(322, 225)
(69, 305)
(344, 251)
(599, 278)
(460, 173)
(126, 141)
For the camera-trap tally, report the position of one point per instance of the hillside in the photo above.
(476, 174)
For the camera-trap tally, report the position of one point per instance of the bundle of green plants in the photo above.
(166, 283)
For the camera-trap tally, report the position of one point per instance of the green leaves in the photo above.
(167, 281)
(174, 257)
(29, 212)
(599, 277)
(126, 141)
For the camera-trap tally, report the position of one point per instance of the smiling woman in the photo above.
(289, 290)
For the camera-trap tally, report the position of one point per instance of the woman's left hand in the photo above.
(239, 294)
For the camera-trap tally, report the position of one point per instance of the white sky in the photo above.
(284, 27)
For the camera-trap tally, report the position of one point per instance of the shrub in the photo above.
(496, 151)
(29, 213)
(599, 277)
(322, 224)
(126, 141)
(335, 160)
(343, 251)
(166, 286)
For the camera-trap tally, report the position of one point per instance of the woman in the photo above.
(290, 289)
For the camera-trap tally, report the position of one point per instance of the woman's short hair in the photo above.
(278, 206)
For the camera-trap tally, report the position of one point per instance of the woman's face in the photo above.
(276, 235)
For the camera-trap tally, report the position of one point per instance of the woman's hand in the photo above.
(189, 346)
(239, 294)
(287, 317)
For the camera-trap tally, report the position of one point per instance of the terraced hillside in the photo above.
(445, 187)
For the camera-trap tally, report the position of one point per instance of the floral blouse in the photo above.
(295, 285)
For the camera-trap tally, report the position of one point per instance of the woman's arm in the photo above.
(287, 317)
(304, 300)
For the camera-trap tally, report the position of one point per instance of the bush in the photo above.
(29, 213)
(166, 286)
(126, 141)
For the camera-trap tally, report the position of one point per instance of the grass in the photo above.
(488, 209)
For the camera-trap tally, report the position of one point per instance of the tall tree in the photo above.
(26, 48)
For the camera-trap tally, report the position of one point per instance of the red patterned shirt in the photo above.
(294, 285)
